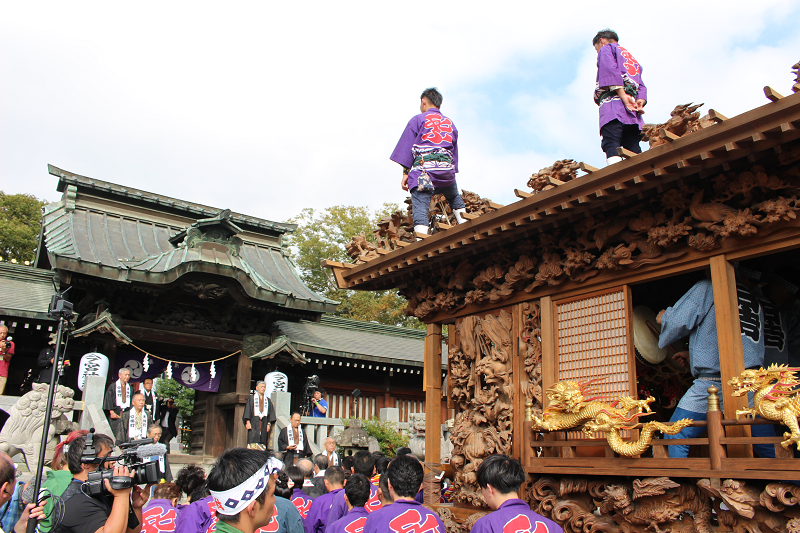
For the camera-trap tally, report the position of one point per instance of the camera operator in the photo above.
(320, 405)
(169, 418)
(118, 512)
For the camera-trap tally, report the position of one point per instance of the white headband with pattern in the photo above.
(233, 501)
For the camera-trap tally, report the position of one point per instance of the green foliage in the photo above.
(388, 436)
(20, 221)
(323, 235)
(184, 400)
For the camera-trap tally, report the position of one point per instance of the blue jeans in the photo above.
(421, 201)
(682, 450)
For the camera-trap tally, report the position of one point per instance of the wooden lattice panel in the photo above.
(594, 341)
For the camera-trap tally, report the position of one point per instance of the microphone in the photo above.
(147, 451)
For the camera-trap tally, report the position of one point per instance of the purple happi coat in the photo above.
(404, 516)
(616, 66)
(302, 503)
(158, 516)
(352, 522)
(317, 519)
(430, 139)
(197, 517)
(339, 506)
(515, 516)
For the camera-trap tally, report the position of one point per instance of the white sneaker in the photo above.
(612, 160)
(421, 229)
(459, 215)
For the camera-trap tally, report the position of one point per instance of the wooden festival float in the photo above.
(551, 301)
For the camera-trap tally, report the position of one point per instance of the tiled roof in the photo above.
(25, 291)
(353, 339)
(137, 248)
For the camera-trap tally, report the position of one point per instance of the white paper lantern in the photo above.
(92, 364)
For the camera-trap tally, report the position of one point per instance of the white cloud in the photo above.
(268, 109)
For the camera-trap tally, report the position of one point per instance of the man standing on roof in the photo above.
(428, 153)
(621, 95)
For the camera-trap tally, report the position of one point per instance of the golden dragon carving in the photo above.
(775, 398)
(569, 407)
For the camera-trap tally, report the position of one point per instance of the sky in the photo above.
(267, 108)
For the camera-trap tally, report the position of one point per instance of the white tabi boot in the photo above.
(459, 213)
(613, 159)
(421, 229)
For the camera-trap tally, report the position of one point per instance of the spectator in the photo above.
(8, 477)
(118, 399)
(243, 481)
(169, 418)
(364, 464)
(307, 467)
(7, 352)
(160, 513)
(317, 519)
(500, 478)
(383, 492)
(294, 442)
(59, 478)
(299, 498)
(45, 361)
(404, 480)
(154, 432)
(356, 494)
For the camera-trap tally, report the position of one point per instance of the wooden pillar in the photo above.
(244, 371)
(549, 360)
(519, 441)
(731, 354)
(432, 383)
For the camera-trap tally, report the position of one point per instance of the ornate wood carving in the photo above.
(531, 350)
(481, 369)
(694, 215)
(684, 119)
(660, 504)
(558, 173)
(399, 226)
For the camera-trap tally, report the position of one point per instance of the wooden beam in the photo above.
(432, 384)
(587, 168)
(139, 334)
(716, 116)
(729, 339)
(522, 194)
(384, 251)
(470, 216)
(422, 235)
(494, 205)
(668, 135)
(624, 152)
(401, 244)
(771, 94)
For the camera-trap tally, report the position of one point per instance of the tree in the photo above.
(20, 221)
(323, 235)
(184, 401)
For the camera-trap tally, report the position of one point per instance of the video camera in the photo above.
(136, 455)
(308, 392)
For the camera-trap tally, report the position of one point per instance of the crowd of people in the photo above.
(251, 491)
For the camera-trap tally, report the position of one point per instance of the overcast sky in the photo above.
(266, 108)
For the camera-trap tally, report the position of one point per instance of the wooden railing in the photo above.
(559, 455)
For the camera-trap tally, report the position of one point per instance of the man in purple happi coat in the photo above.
(364, 464)
(356, 494)
(317, 519)
(500, 478)
(621, 95)
(405, 515)
(428, 153)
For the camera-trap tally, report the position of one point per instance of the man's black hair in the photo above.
(364, 463)
(357, 490)
(347, 463)
(189, 478)
(383, 484)
(404, 450)
(296, 475)
(433, 96)
(295, 413)
(76, 447)
(282, 485)
(405, 474)
(334, 475)
(234, 467)
(382, 464)
(501, 472)
(7, 472)
(199, 493)
(321, 461)
(607, 33)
